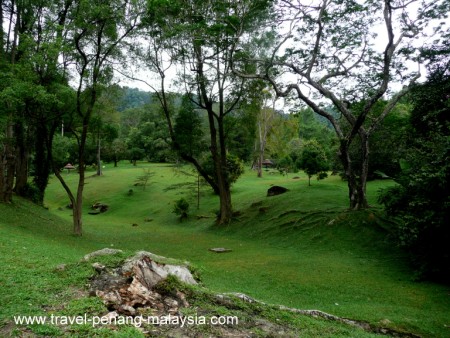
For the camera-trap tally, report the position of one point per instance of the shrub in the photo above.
(181, 208)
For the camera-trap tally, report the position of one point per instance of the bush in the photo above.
(32, 193)
(421, 200)
(181, 208)
(234, 169)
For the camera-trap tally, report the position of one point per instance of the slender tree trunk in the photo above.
(78, 206)
(260, 161)
(10, 164)
(260, 151)
(99, 160)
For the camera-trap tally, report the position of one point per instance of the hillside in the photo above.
(301, 249)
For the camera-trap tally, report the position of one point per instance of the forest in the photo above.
(355, 92)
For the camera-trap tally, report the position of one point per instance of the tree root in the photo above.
(320, 314)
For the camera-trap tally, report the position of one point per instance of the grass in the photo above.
(301, 249)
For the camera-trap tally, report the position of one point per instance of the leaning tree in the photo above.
(348, 55)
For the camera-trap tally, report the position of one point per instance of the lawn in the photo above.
(302, 249)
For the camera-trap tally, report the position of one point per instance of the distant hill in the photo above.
(133, 97)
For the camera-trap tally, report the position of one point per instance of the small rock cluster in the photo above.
(98, 208)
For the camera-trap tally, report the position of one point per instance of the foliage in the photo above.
(148, 133)
(332, 54)
(422, 198)
(313, 160)
(234, 167)
(61, 150)
(188, 129)
(143, 180)
(181, 208)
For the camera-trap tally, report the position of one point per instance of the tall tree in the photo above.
(31, 86)
(98, 30)
(420, 200)
(198, 35)
(332, 50)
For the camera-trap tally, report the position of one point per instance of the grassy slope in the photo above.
(302, 251)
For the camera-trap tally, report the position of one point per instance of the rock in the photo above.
(220, 250)
(276, 190)
(98, 267)
(129, 310)
(61, 267)
(102, 252)
(149, 272)
(296, 178)
(263, 209)
(134, 225)
(131, 287)
(106, 282)
(100, 207)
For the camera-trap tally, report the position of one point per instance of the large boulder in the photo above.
(276, 190)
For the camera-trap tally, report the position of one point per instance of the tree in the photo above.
(188, 129)
(313, 160)
(329, 47)
(421, 198)
(264, 125)
(98, 29)
(105, 121)
(198, 35)
(285, 128)
(34, 87)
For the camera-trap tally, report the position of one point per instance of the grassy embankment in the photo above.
(301, 249)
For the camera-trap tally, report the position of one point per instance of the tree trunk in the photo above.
(42, 157)
(22, 156)
(99, 160)
(78, 207)
(260, 151)
(21, 171)
(7, 166)
(260, 162)
(362, 197)
(356, 184)
(226, 210)
(2, 175)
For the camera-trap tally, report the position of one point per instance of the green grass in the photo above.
(301, 249)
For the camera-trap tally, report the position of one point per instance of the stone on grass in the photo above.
(102, 252)
(220, 250)
(276, 190)
(132, 287)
